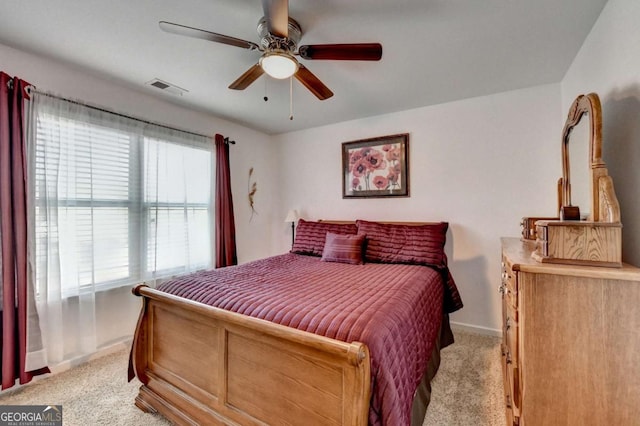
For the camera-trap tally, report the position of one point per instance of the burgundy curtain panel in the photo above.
(225, 224)
(13, 231)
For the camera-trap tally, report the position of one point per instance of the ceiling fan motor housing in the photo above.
(270, 42)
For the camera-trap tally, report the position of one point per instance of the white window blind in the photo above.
(117, 201)
(177, 208)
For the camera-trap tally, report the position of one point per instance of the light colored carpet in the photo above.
(92, 394)
(468, 387)
(466, 391)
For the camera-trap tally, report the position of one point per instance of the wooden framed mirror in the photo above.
(594, 237)
(585, 181)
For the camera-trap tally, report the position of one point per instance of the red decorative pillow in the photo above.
(311, 236)
(343, 248)
(392, 243)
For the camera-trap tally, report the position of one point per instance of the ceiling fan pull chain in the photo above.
(266, 98)
(291, 98)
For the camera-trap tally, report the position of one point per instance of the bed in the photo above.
(346, 330)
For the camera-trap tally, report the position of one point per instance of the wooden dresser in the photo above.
(571, 341)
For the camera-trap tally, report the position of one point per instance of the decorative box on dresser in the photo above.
(571, 345)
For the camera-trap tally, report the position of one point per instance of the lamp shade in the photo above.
(278, 64)
(292, 216)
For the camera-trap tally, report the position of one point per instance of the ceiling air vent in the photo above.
(166, 87)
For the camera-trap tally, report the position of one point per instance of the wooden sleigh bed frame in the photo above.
(199, 364)
(261, 372)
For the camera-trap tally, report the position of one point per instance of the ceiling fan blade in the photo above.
(183, 30)
(342, 52)
(247, 78)
(277, 14)
(311, 82)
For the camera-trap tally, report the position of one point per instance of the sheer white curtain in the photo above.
(176, 204)
(117, 202)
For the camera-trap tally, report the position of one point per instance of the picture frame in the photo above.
(376, 167)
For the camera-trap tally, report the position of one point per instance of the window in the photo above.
(117, 201)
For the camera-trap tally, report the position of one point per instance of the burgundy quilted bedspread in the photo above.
(396, 310)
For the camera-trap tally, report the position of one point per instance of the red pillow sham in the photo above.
(413, 244)
(310, 236)
(343, 248)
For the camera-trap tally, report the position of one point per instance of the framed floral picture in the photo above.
(376, 167)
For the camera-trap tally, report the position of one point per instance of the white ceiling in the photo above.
(434, 51)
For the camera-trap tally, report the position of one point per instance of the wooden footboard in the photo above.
(204, 365)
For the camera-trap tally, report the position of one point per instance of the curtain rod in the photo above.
(33, 89)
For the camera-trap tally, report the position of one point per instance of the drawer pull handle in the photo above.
(507, 324)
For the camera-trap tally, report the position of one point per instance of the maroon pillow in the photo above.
(343, 248)
(310, 236)
(392, 243)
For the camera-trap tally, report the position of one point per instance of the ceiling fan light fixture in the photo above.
(279, 64)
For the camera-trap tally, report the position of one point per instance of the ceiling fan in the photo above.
(279, 37)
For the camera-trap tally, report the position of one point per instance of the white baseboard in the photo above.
(103, 351)
(476, 329)
(107, 349)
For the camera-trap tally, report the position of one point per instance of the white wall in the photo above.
(481, 164)
(609, 64)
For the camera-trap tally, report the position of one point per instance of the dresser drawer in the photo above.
(514, 391)
(579, 243)
(510, 331)
(511, 392)
(508, 401)
(509, 283)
